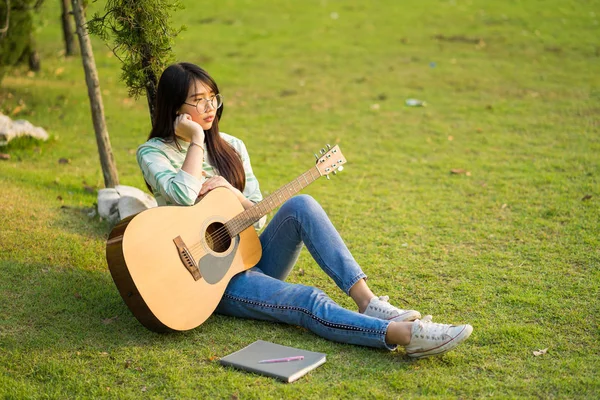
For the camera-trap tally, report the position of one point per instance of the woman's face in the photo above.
(198, 105)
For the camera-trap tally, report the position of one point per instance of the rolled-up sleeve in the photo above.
(174, 184)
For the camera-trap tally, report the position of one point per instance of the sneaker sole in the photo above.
(449, 345)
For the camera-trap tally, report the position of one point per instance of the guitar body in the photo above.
(151, 257)
(172, 264)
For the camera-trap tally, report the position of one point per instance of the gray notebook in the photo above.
(267, 358)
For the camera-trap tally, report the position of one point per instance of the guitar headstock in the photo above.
(331, 160)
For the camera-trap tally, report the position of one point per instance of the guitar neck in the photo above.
(250, 216)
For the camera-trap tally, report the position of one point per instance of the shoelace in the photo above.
(428, 329)
(392, 309)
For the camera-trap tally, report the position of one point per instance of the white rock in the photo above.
(10, 129)
(129, 191)
(122, 201)
(108, 200)
(129, 205)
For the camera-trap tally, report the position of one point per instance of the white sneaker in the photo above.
(429, 338)
(382, 309)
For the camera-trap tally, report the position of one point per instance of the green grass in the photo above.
(512, 247)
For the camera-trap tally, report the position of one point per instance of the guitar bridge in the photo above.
(186, 258)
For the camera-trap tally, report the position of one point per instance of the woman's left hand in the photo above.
(218, 181)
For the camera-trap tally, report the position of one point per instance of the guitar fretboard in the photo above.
(248, 217)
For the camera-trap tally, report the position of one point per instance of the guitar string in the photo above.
(222, 236)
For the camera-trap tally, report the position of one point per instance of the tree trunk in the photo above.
(34, 60)
(4, 29)
(151, 79)
(33, 57)
(151, 96)
(107, 161)
(67, 29)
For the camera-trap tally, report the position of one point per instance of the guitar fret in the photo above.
(248, 217)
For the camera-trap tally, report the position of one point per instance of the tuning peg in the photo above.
(327, 176)
(335, 172)
(316, 156)
(328, 146)
(322, 151)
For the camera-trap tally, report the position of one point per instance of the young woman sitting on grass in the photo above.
(186, 157)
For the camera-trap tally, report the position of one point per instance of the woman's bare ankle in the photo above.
(361, 294)
(399, 333)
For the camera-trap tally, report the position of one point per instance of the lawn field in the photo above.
(482, 207)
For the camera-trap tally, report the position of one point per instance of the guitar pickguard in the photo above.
(213, 267)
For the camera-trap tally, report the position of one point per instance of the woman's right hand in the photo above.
(188, 130)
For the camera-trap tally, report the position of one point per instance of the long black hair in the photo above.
(172, 92)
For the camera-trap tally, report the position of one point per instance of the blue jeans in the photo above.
(261, 292)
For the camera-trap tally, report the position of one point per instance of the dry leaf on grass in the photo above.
(540, 352)
(4, 156)
(460, 171)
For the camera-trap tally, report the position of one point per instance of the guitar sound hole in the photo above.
(217, 237)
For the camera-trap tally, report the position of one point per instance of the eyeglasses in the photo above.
(201, 105)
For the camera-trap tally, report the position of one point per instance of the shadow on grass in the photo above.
(21, 146)
(57, 309)
(84, 221)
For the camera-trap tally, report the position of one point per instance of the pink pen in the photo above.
(279, 360)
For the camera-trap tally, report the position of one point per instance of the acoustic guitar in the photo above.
(172, 264)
